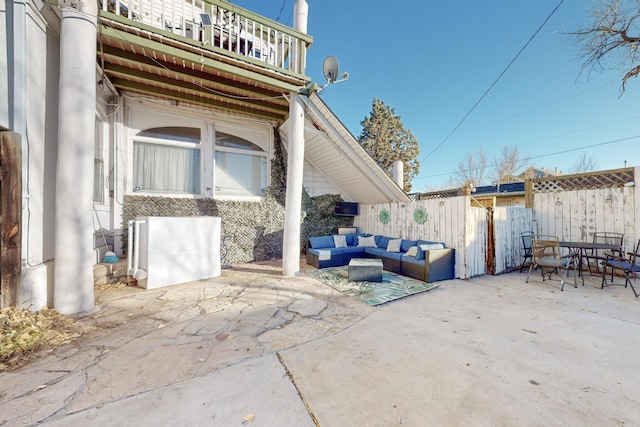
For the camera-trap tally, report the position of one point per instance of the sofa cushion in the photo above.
(366, 242)
(412, 260)
(383, 253)
(425, 247)
(394, 245)
(406, 244)
(393, 255)
(352, 240)
(321, 242)
(375, 251)
(353, 250)
(340, 240)
(412, 251)
(425, 242)
(323, 254)
(382, 241)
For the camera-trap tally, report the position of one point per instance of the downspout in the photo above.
(295, 161)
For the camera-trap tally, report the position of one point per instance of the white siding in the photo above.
(317, 183)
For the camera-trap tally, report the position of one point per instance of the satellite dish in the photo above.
(330, 68)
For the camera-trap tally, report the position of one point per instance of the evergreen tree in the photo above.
(386, 140)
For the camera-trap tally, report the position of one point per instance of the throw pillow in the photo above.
(340, 241)
(413, 251)
(366, 242)
(394, 245)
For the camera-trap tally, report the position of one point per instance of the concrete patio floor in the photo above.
(255, 348)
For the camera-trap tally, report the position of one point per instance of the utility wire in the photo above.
(555, 153)
(281, 9)
(494, 82)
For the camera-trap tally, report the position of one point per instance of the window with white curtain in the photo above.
(240, 167)
(167, 160)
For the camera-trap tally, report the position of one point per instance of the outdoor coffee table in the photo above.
(365, 269)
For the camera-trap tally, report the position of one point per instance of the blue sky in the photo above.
(432, 61)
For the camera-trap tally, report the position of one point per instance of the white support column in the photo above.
(293, 204)
(295, 165)
(74, 258)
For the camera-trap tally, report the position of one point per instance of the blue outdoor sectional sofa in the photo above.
(420, 259)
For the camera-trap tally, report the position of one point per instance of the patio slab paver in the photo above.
(489, 351)
(255, 348)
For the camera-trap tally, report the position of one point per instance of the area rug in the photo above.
(392, 287)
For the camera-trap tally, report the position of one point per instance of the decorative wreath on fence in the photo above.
(420, 215)
(384, 216)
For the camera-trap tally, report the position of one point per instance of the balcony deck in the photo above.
(205, 53)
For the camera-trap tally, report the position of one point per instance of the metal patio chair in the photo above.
(628, 266)
(599, 257)
(526, 248)
(545, 252)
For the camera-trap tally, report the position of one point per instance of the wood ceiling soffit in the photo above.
(173, 85)
(130, 60)
(145, 89)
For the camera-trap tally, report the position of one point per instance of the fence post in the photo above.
(528, 193)
(11, 210)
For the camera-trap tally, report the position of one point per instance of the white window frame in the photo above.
(141, 116)
(259, 137)
(171, 143)
(253, 153)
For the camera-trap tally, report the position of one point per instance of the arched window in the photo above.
(167, 160)
(240, 167)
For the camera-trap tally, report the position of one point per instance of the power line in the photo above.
(555, 153)
(281, 9)
(494, 82)
(538, 108)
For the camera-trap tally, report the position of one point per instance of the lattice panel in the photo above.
(436, 195)
(608, 179)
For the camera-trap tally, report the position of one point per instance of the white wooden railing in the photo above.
(223, 25)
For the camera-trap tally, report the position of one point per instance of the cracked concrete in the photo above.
(141, 341)
(292, 351)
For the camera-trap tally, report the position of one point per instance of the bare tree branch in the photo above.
(472, 169)
(612, 38)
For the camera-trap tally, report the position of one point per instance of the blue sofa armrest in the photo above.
(439, 264)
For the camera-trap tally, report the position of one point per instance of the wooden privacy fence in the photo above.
(508, 225)
(449, 220)
(573, 207)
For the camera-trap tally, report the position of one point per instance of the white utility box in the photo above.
(174, 250)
